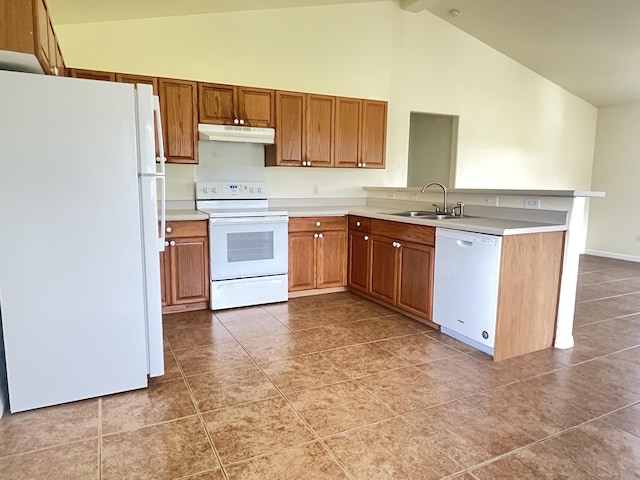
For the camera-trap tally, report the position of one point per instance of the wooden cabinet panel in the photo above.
(92, 75)
(255, 106)
(165, 277)
(133, 79)
(320, 130)
(359, 255)
(415, 279)
(331, 260)
(359, 224)
(316, 224)
(62, 71)
(42, 38)
(289, 149)
(404, 231)
(189, 265)
(216, 103)
(178, 106)
(374, 133)
(184, 266)
(347, 136)
(384, 273)
(302, 261)
(19, 26)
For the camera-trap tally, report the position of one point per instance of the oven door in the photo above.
(248, 247)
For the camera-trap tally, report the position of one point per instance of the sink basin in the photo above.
(425, 214)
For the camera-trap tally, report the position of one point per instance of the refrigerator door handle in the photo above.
(161, 174)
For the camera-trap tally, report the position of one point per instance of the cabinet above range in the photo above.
(233, 105)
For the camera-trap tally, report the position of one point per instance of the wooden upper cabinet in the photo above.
(290, 148)
(25, 27)
(348, 117)
(134, 79)
(216, 103)
(373, 133)
(178, 106)
(231, 105)
(361, 132)
(255, 106)
(92, 74)
(320, 130)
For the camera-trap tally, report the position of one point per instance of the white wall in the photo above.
(614, 221)
(517, 130)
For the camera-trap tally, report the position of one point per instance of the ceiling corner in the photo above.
(416, 6)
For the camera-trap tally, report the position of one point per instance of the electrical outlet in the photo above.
(315, 190)
(531, 203)
(491, 201)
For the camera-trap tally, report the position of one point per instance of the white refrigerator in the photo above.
(79, 239)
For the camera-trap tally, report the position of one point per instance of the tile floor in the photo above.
(336, 387)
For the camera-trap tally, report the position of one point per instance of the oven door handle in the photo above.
(248, 220)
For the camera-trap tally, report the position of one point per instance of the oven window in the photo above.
(249, 246)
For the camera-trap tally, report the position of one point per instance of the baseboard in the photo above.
(617, 256)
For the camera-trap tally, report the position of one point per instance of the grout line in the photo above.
(100, 438)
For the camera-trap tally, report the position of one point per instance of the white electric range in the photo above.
(248, 244)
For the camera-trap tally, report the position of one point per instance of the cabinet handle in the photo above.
(394, 244)
(398, 244)
(366, 237)
(241, 122)
(168, 229)
(364, 165)
(357, 224)
(304, 163)
(359, 165)
(309, 163)
(166, 244)
(317, 224)
(236, 121)
(172, 243)
(315, 235)
(320, 235)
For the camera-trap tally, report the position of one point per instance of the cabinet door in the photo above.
(415, 291)
(165, 276)
(92, 75)
(359, 255)
(331, 265)
(216, 103)
(373, 141)
(255, 106)
(290, 124)
(383, 282)
(320, 130)
(189, 270)
(133, 79)
(347, 136)
(302, 261)
(62, 71)
(178, 106)
(42, 35)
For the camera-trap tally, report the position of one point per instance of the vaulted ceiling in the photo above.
(589, 47)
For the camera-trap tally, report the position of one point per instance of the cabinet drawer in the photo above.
(359, 224)
(315, 224)
(404, 231)
(187, 228)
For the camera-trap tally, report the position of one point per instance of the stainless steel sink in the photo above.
(425, 215)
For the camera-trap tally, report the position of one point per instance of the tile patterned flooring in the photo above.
(336, 387)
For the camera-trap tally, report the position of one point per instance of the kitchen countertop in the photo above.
(185, 214)
(492, 226)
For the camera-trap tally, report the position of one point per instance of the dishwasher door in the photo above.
(465, 296)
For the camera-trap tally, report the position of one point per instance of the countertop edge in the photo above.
(486, 191)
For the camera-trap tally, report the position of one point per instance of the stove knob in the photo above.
(214, 190)
(252, 190)
(205, 189)
(259, 189)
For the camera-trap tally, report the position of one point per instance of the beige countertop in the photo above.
(492, 226)
(185, 214)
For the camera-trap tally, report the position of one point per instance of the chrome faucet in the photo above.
(444, 192)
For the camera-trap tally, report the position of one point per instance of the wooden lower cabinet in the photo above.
(184, 267)
(393, 262)
(317, 253)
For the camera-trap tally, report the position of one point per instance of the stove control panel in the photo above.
(230, 190)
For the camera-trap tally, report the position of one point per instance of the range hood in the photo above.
(233, 133)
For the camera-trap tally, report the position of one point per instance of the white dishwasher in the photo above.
(465, 291)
